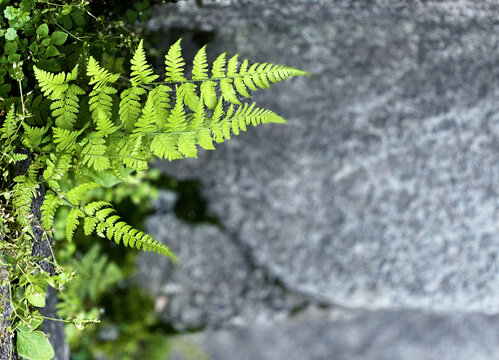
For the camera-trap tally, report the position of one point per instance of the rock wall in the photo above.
(381, 192)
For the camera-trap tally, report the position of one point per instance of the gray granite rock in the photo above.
(214, 284)
(382, 190)
(369, 336)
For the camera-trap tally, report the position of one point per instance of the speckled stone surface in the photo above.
(370, 336)
(382, 190)
(215, 282)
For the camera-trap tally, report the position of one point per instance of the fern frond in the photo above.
(261, 76)
(75, 195)
(94, 154)
(187, 145)
(54, 85)
(237, 120)
(94, 206)
(34, 136)
(160, 98)
(200, 65)
(228, 91)
(175, 64)
(99, 77)
(56, 167)
(142, 73)
(10, 125)
(147, 122)
(104, 126)
(164, 146)
(48, 209)
(190, 97)
(209, 94)
(177, 119)
(104, 222)
(132, 153)
(218, 68)
(101, 102)
(72, 222)
(64, 96)
(16, 157)
(232, 66)
(23, 193)
(130, 106)
(65, 139)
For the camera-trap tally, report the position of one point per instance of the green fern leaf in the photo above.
(132, 153)
(64, 96)
(106, 224)
(72, 222)
(65, 139)
(160, 98)
(205, 140)
(232, 66)
(11, 125)
(208, 94)
(33, 136)
(187, 145)
(200, 65)
(101, 101)
(164, 146)
(175, 64)
(130, 107)
(177, 120)
(190, 99)
(48, 209)
(91, 208)
(228, 91)
(89, 225)
(75, 195)
(218, 68)
(105, 126)
(94, 154)
(147, 122)
(142, 73)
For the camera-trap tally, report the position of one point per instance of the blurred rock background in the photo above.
(366, 228)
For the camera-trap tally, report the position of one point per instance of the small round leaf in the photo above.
(43, 30)
(59, 37)
(33, 345)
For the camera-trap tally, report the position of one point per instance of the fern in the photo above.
(130, 106)
(11, 125)
(100, 218)
(64, 96)
(72, 222)
(65, 139)
(48, 209)
(142, 73)
(57, 166)
(94, 154)
(101, 101)
(200, 65)
(174, 63)
(167, 121)
(147, 122)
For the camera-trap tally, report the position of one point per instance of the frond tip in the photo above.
(100, 218)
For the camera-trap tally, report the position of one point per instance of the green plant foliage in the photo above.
(75, 122)
(96, 275)
(33, 345)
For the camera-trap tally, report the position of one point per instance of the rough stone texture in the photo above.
(214, 283)
(6, 338)
(371, 336)
(382, 190)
